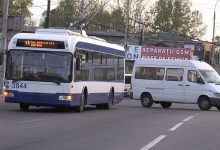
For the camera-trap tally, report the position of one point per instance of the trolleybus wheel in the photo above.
(110, 101)
(24, 107)
(80, 108)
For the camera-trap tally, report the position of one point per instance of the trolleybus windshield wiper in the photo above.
(18, 79)
(51, 78)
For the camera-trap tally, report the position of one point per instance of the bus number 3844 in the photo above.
(19, 85)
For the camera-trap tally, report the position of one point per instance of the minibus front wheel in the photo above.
(146, 100)
(204, 103)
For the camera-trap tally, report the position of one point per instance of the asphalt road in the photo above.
(127, 126)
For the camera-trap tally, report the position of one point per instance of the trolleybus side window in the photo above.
(95, 68)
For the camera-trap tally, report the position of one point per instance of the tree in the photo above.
(101, 21)
(217, 43)
(117, 20)
(136, 14)
(19, 7)
(98, 18)
(67, 13)
(176, 16)
(63, 14)
(97, 15)
(137, 10)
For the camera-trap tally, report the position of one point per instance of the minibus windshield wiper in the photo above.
(211, 82)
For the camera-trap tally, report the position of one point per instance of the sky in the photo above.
(206, 7)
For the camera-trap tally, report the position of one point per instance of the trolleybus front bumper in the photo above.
(43, 99)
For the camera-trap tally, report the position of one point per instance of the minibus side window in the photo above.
(149, 73)
(193, 76)
(174, 74)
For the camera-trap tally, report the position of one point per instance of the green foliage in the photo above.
(217, 44)
(176, 16)
(166, 15)
(117, 20)
(19, 7)
(136, 13)
(96, 17)
(65, 12)
(101, 21)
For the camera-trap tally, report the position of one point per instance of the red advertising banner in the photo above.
(165, 52)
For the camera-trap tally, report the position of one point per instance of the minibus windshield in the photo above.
(210, 76)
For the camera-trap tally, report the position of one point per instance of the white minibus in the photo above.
(127, 90)
(175, 81)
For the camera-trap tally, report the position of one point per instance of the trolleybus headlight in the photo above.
(8, 94)
(65, 98)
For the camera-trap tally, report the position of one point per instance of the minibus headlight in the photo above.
(217, 94)
(65, 98)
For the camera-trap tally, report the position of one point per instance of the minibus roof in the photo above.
(173, 62)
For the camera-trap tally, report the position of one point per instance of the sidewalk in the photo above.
(1, 98)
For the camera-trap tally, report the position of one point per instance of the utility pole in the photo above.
(213, 37)
(141, 36)
(47, 20)
(82, 14)
(140, 29)
(127, 25)
(4, 39)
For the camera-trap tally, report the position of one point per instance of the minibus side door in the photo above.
(193, 86)
(173, 85)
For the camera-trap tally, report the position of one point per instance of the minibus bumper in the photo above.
(131, 95)
(215, 101)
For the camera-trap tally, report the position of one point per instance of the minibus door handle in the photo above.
(187, 85)
(180, 85)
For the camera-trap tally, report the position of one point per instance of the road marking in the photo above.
(153, 143)
(197, 114)
(29, 121)
(188, 118)
(176, 126)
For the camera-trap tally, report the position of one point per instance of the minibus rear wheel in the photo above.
(146, 100)
(218, 107)
(204, 103)
(166, 104)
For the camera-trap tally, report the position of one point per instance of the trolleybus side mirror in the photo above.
(78, 63)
